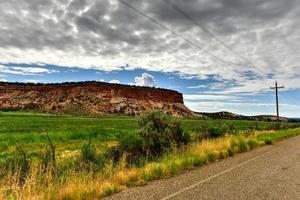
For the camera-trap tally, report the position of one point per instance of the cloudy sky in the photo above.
(77, 40)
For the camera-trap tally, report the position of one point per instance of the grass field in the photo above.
(69, 132)
(24, 142)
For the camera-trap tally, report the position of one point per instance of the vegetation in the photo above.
(65, 157)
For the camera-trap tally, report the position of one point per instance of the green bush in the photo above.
(274, 126)
(88, 152)
(268, 139)
(215, 132)
(158, 134)
(130, 141)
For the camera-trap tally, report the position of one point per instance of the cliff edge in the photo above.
(96, 98)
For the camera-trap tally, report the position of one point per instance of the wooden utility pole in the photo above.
(277, 102)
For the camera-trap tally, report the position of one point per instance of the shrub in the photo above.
(88, 152)
(266, 138)
(257, 127)
(157, 135)
(130, 141)
(216, 131)
(201, 133)
(160, 133)
(274, 126)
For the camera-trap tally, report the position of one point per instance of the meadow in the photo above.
(69, 153)
(70, 132)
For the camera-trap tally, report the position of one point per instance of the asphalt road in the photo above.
(269, 172)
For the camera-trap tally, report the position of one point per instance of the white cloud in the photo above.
(31, 81)
(3, 80)
(197, 86)
(115, 81)
(80, 33)
(245, 108)
(145, 80)
(207, 97)
(26, 70)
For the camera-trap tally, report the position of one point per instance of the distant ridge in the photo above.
(232, 116)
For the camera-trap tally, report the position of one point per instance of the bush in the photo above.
(216, 131)
(160, 133)
(88, 152)
(201, 133)
(130, 141)
(268, 139)
(157, 135)
(274, 126)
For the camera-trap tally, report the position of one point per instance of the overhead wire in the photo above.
(176, 34)
(211, 34)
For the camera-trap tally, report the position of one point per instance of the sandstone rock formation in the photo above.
(92, 97)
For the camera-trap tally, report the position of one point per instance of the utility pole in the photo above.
(277, 103)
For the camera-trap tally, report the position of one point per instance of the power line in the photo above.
(176, 34)
(189, 17)
(189, 42)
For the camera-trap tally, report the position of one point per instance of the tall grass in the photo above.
(88, 184)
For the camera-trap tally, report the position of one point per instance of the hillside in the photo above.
(233, 116)
(96, 98)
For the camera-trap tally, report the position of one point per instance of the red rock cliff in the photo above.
(90, 98)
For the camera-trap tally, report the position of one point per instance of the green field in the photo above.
(69, 132)
(78, 166)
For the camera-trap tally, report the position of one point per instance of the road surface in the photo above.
(269, 172)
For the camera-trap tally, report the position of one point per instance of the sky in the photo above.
(226, 61)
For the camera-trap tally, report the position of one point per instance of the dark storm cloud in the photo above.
(104, 32)
(43, 23)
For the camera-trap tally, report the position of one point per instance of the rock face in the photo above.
(94, 98)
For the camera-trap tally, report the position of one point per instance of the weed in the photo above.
(88, 152)
(243, 147)
(198, 161)
(147, 176)
(157, 171)
(211, 156)
(252, 143)
(108, 189)
(173, 166)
